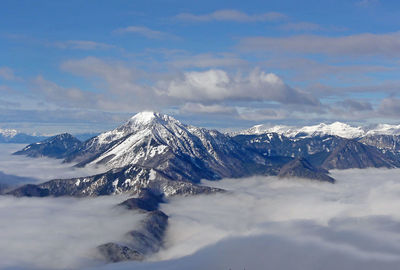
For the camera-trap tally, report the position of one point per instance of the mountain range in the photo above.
(336, 129)
(157, 147)
(14, 136)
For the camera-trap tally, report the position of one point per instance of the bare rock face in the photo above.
(301, 168)
(112, 252)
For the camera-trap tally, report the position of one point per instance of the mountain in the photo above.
(147, 238)
(352, 154)
(137, 244)
(301, 168)
(161, 142)
(55, 147)
(13, 136)
(328, 152)
(129, 179)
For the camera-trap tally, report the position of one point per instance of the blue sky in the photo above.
(88, 65)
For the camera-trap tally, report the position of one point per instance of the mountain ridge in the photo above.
(335, 129)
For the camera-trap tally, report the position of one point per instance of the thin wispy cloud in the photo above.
(231, 15)
(8, 74)
(367, 3)
(207, 61)
(81, 45)
(301, 26)
(144, 31)
(366, 44)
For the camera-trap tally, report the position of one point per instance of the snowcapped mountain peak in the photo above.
(337, 129)
(148, 117)
(144, 117)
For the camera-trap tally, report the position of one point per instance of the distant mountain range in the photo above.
(155, 156)
(335, 129)
(14, 136)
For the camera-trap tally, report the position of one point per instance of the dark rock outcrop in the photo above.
(301, 168)
(146, 201)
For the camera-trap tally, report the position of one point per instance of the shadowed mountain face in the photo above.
(8, 181)
(55, 147)
(329, 152)
(352, 154)
(301, 168)
(132, 179)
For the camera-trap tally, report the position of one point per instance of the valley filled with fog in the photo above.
(28, 170)
(261, 222)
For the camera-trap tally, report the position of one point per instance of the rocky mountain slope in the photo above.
(301, 168)
(55, 147)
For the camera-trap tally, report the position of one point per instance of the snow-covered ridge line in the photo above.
(9, 133)
(337, 129)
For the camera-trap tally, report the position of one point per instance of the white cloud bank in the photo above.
(59, 233)
(266, 223)
(216, 85)
(36, 169)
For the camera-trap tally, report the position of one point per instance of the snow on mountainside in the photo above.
(384, 129)
(8, 133)
(336, 129)
(159, 141)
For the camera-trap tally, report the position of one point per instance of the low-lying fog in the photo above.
(261, 223)
(17, 170)
(267, 223)
(59, 233)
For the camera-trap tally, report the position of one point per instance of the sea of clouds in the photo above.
(260, 223)
(16, 170)
(268, 223)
